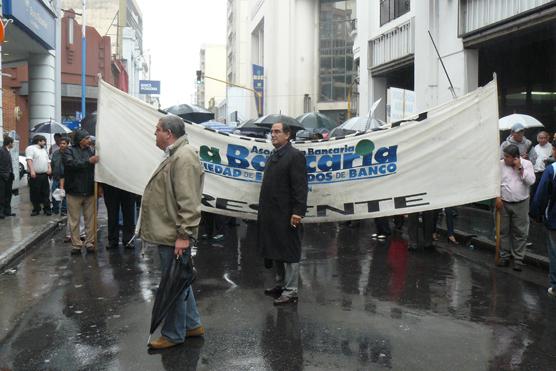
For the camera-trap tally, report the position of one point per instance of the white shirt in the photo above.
(39, 156)
(514, 185)
(543, 152)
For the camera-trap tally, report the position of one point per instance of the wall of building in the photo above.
(459, 51)
(290, 52)
(213, 64)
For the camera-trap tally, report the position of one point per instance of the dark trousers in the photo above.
(39, 192)
(383, 226)
(427, 225)
(6, 195)
(214, 224)
(116, 199)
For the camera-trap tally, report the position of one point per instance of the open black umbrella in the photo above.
(269, 120)
(315, 120)
(191, 112)
(177, 278)
(89, 123)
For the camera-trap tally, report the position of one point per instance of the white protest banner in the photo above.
(448, 158)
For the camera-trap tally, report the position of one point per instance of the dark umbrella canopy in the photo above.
(182, 109)
(89, 123)
(250, 129)
(269, 120)
(191, 112)
(315, 120)
(177, 278)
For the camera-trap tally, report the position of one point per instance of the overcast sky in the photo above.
(173, 32)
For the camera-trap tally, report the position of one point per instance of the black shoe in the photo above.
(48, 213)
(35, 213)
(518, 266)
(276, 291)
(63, 213)
(2, 216)
(10, 214)
(284, 299)
(503, 263)
(76, 251)
(112, 246)
(55, 212)
(129, 246)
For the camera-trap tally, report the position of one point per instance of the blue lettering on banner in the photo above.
(332, 165)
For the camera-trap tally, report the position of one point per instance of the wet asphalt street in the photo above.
(364, 305)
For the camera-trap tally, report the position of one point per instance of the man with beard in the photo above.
(79, 182)
(38, 166)
(282, 205)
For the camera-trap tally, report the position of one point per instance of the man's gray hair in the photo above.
(173, 123)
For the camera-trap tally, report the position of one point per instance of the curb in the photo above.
(490, 245)
(27, 244)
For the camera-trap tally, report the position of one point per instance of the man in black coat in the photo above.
(6, 177)
(282, 205)
(79, 174)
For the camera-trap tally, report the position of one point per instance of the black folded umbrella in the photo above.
(178, 277)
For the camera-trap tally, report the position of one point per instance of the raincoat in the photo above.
(283, 193)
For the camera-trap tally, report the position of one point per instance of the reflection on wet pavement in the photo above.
(363, 305)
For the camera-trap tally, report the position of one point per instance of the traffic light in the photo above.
(199, 76)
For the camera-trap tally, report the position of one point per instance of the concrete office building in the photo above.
(305, 47)
(475, 38)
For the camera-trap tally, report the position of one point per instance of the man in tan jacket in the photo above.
(170, 215)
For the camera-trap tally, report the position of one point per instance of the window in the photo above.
(335, 50)
(392, 9)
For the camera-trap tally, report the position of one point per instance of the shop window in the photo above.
(392, 9)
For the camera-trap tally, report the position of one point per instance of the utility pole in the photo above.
(83, 60)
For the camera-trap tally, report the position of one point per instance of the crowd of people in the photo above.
(170, 220)
(527, 192)
(61, 182)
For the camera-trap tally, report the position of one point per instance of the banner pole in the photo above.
(497, 257)
(95, 219)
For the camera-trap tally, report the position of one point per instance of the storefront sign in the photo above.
(258, 86)
(149, 87)
(35, 18)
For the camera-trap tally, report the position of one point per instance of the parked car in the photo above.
(22, 167)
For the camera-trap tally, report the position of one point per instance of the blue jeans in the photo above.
(551, 245)
(183, 315)
(56, 204)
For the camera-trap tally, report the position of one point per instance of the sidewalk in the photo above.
(476, 227)
(22, 232)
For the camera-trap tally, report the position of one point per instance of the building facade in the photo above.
(122, 21)
(305, 48)
(516, 40)
(212, 64)
(18, 81)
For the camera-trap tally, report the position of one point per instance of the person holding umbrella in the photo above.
(282, 205)
(170, 216)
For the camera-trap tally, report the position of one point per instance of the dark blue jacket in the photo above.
(544, 200)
